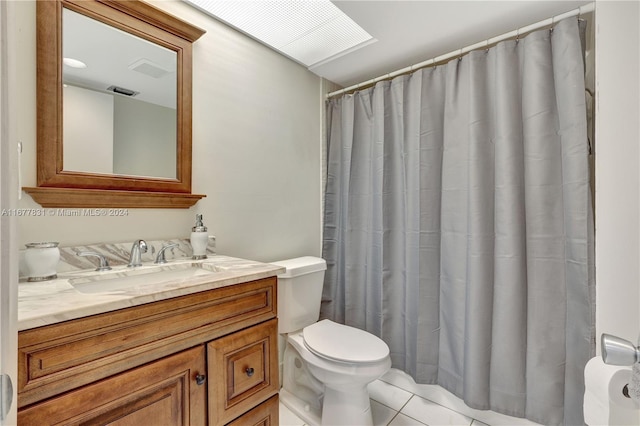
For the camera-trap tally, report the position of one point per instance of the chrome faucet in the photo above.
(160, 257)
(104, 263)
(139, 247)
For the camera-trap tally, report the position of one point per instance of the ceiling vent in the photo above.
(147, 67)
(122, 91)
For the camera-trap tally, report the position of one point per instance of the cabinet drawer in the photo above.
(164, 392)
(265, 414)
(245, 367)
(64, 356)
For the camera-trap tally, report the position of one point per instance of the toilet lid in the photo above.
(343, 343)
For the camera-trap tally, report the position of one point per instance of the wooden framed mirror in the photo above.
(114, 84)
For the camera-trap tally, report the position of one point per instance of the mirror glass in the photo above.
(119, 101)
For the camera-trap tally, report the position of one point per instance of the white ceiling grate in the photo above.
(307, 31)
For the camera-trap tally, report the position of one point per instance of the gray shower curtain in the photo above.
(458, 224)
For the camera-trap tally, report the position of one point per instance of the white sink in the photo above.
(135, 279)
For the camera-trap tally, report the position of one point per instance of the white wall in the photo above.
(144, 138)
(617, 169)
(256, 150)
(87, 119)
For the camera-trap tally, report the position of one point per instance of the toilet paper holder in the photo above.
(617, 351)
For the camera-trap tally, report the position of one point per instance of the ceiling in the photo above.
(116, 58)
(409, 32)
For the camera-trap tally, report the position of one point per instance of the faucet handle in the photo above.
(104, 263)
(160, 258)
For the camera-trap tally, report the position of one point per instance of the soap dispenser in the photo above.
(199, 239)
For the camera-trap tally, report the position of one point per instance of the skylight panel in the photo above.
(308, 31)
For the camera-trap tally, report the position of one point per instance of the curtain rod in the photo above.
(459, 52)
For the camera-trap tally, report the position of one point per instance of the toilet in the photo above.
(326, 366)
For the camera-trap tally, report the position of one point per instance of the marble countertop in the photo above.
(49, 302)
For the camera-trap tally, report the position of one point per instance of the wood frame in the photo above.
(59, 188)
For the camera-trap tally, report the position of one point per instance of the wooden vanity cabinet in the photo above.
(205, 358)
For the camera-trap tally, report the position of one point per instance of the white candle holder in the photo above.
(41, 260)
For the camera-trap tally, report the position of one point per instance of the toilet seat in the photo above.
(343, 343)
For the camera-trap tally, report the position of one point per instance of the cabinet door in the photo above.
(243, 371)
(164, 392)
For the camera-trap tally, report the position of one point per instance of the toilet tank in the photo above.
(299, 292)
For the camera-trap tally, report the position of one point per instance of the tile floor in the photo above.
(397, 401)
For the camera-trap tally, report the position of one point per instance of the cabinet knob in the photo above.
(200, 379)
(249, 371)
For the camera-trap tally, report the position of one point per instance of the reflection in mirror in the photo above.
(119, 101)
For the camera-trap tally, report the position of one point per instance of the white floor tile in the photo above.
(427, 405)
(381, 414)
(433, 414)
(402, 420)
(488, 417)
(445, 398)
(389, 395)
(400, 379)
(287, 418)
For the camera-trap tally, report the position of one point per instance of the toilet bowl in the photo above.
(344, 360)
(326, 366)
